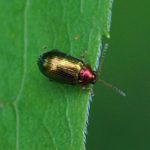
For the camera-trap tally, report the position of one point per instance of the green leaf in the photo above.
(37, 114)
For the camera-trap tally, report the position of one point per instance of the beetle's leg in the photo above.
(89, 89)
(82, 56)
(92, 92)
(45, 48)
(50, 79)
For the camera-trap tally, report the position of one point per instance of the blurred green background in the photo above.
(115, 122)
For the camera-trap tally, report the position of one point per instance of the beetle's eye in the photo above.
(94, 79)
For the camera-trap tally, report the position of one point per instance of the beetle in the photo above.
(64, 68)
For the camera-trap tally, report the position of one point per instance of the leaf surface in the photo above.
(35, 113)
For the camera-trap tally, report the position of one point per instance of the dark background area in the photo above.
(116, 122)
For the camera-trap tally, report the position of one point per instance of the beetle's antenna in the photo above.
(122, 93)
(102, 58)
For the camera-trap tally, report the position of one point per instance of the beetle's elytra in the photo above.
(64, 68)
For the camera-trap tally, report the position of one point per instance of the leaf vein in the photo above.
(69, 36)
(25, 31)
(69, 121)
(51, 137)
(81, 6)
